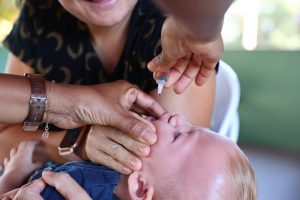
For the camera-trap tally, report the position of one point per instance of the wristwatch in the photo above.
(37, 102)
(70, 143)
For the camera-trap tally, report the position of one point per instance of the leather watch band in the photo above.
(37, 102)
(71, 142)
(71, 156)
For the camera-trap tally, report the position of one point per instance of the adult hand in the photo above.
(62, 182)
(114, 104)
(187, 57)
(111, 147)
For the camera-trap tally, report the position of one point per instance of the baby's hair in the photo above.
(238, 181)
(242, 175)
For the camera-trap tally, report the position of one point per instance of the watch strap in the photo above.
(70, 155)
(37, 102)
(71, 152)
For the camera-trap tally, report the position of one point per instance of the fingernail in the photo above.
(158, 59)
(47, 173)
(148, 136)
(136, 164)
(144, 150)
(126, 170)
(151, 126)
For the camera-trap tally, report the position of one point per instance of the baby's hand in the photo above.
(19, 165)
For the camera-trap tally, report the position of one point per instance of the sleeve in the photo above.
(22, 40)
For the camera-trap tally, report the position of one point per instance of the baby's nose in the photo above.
(165, 117)
(179, 122)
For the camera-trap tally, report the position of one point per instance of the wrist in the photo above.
(67, 105)
(81, 148)
(58, 106)
(192, 30)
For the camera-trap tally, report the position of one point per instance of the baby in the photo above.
(186, 163)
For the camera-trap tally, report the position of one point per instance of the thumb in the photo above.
(31, 191)
(161, 62)
(36, 186)
(65, 185)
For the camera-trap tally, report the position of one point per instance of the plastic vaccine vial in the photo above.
(161, 81)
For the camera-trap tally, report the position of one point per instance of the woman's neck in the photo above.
(108, 42)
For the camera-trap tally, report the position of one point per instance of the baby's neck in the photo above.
(121, 190)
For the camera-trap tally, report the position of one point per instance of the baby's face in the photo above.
(183, 150)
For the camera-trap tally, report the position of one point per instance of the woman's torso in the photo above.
(53, 42)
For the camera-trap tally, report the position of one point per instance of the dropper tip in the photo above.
(160, 88)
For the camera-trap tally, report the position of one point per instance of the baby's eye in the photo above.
(176, 135)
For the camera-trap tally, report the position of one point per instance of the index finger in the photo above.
(10, 195)
(65, 185)
(205, 71)
(161, 62)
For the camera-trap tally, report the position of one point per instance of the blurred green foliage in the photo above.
(269, 107)
(8, 10)
(278, 25)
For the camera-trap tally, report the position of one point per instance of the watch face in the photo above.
(70, 138)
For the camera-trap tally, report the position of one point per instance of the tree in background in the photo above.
(8, 14)
(277, 26)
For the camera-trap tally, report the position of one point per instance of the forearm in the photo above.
(14, 94)
(199, 18)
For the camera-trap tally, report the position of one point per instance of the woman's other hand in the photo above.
(188, 57)
(111, 147)
(116, 104)
(62, 182)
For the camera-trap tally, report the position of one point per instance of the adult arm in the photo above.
(201, 19)
(191, 41)
(69, 109)
(98, 104)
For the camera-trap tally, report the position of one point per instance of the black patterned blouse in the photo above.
(55, 43)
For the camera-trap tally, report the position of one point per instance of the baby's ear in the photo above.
(139, 188)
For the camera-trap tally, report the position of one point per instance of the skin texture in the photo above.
(109, 33)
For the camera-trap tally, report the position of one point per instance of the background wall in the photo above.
(270, 97)
(3, 55)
